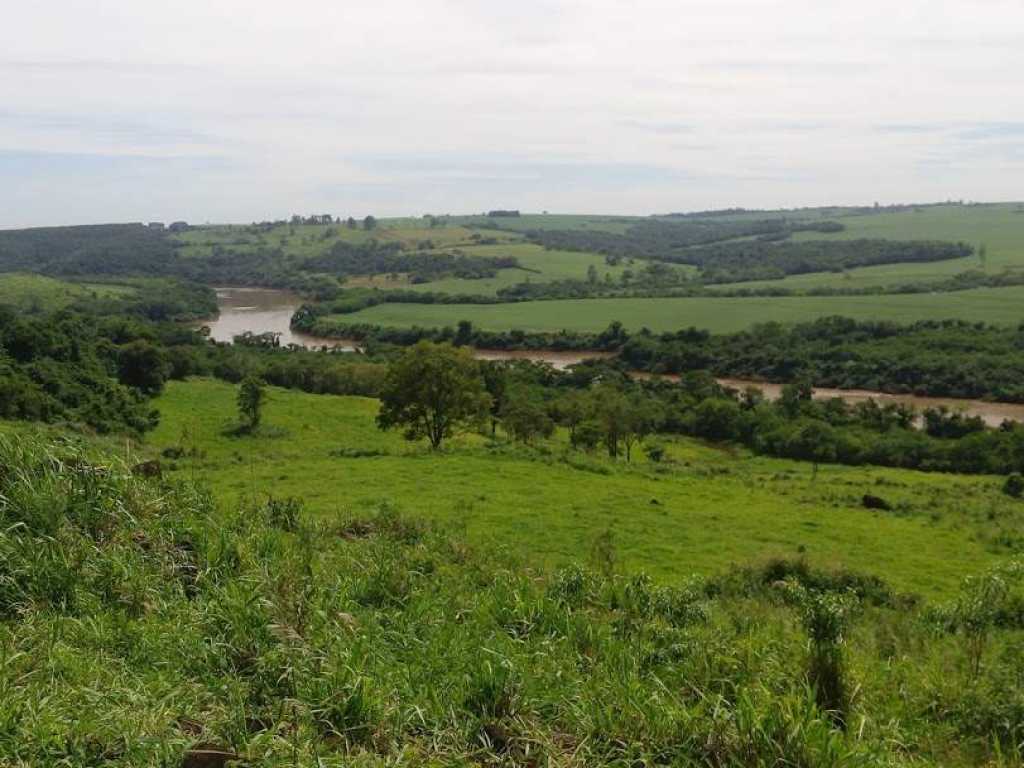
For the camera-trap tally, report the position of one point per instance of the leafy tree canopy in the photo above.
(433, 391)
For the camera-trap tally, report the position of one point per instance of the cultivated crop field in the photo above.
(705, 509)
(720, 315)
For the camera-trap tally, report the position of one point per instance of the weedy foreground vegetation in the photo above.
(144, 624)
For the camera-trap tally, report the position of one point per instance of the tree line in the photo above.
(949, 358)
(433, 391)
(103, 372)
(738, 251)
(769, 260)
(660, 239)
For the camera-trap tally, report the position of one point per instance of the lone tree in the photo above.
(432, 391)
(250, 401)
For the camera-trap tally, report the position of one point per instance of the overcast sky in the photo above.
(217, 110)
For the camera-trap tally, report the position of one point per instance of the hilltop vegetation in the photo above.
(107, 249)
(515, 258)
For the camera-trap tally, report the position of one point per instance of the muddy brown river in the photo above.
(263, 310)
(994, 414)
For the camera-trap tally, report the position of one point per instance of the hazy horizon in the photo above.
(282, 216)
(233, 112)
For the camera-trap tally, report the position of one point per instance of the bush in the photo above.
(1014, 486)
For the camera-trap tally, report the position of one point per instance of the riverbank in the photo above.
(267, 310)
(264, 310)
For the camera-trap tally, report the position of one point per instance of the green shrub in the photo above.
(1014, 486)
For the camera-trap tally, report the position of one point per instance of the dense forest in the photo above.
(64, 368)
(103, 249)
(952, 358)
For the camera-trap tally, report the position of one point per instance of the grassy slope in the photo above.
(539, 266)
(144, 626)
(545, 266)
(1001, 306)
(999, 227)
(713, 508)
(44, 294)
(308, 241)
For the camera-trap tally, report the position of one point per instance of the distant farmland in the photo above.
(1003, 306)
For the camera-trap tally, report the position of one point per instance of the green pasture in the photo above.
(539, 266)
(701, 512)
(1000, 227)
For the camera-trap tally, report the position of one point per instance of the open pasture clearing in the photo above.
(999, 227)
(705, 510)
(539, 266)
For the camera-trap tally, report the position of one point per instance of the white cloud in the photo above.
(400, 106)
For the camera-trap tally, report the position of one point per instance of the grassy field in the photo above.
(36, 293)
(705, 510)
(147, 623)
(1000, 227)
(538, 266)
(722, 315)
(544, 266)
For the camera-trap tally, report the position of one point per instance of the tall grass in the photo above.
(138, 622)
